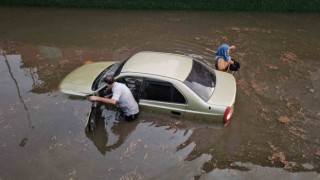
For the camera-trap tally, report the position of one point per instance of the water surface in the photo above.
(274, 131)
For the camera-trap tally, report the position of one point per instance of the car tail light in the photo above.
(227, 115)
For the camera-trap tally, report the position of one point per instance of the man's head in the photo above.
(109, 80)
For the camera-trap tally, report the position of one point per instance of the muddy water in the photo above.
(274, 130)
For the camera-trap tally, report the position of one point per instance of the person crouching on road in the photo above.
(122, 96)
(223, 59)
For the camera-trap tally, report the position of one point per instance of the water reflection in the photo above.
(17, 58)
(110, 131)
(49, 52)
(252, 171)
(204, 139)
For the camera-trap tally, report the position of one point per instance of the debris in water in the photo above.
(288, 57)
(284, 119)
(278, 155)
(260, 89)
(23, 142)
(270, 66)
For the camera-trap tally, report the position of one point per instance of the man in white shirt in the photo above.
(122, 96)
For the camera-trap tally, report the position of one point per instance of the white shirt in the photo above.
(125, 99)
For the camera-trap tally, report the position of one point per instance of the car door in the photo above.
(163, 97)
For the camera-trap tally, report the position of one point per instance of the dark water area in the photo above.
(274, 131)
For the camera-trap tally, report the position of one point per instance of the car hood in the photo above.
(225, 90)
(79, 81)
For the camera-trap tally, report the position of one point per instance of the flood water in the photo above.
(274, 131)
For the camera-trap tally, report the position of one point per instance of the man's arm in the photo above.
(102, 99)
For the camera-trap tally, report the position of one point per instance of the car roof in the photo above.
(174, 66)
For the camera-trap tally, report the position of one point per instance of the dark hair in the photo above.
(109, 80)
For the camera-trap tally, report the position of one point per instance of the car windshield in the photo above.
(111, 70)
(201, 80)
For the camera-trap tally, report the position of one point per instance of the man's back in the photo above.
(126, 101)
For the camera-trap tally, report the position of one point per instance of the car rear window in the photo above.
(201, 80)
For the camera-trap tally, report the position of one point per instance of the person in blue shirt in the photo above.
(223, 59)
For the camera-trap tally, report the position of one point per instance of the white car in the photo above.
(163, 82)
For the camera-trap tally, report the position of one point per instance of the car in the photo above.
(173, 84)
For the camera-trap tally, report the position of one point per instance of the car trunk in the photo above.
(225, 90)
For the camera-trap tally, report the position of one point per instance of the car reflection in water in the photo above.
(110, 131)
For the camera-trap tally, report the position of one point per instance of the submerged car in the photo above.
(172, 84)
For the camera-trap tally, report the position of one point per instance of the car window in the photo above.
(201, 80)
(177, 96)
(162, 91)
